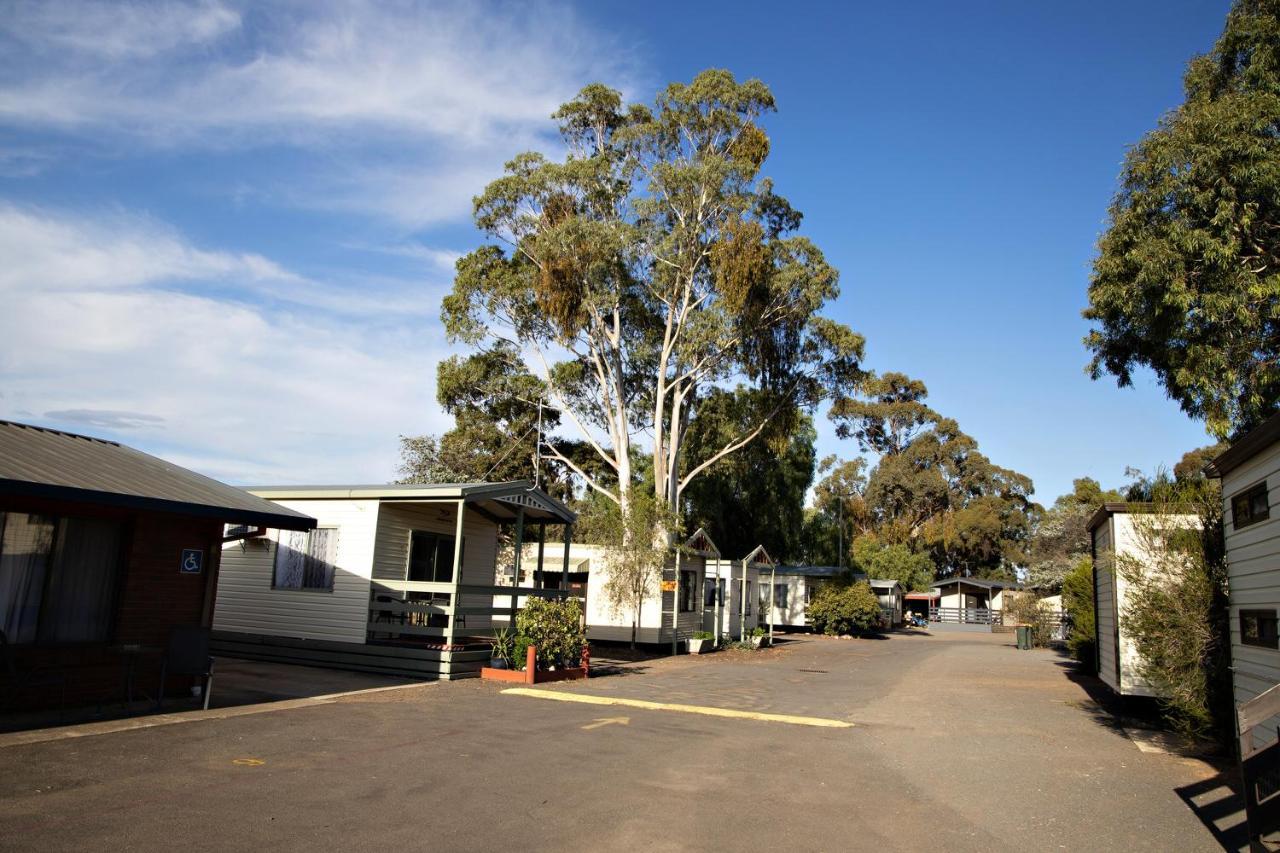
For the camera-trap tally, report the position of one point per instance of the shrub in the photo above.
(844, 608)
(1077, 600)
(555, 627)
(1026, 610)
(520, 651)
(703, 635)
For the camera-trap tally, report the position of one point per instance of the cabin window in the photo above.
(709, 592)
(1250, 506)
(431, 557)
(809, 590)
(780, 595)
(1258, 628)
(305, 559)
(57, 577)
(688, 591)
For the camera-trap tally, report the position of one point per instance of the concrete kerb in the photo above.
(106, 727)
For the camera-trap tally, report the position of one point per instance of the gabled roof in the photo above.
(884, 583)
(500, 501)
(1250, 445)
(47, 463)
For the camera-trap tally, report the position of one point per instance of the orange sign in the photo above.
(668, 586)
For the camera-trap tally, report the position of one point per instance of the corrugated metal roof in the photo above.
(979, 582)
(500, 499)
(41, 462)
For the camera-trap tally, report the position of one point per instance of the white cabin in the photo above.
(889, 593)
(1115, 535)
(796, 587)
(1250, 474)
(670, 600)
(395, 578)
(727, 607)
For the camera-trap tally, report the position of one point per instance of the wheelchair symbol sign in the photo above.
(192, 561)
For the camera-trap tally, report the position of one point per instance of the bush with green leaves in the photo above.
(1023, 608)
(555, 628)
(841, 607)
(703, 635)
(1077, 600)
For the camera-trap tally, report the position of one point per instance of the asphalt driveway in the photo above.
(957, 742)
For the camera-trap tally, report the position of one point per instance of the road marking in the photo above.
(608, 721)
(706, 710)
(249, 762)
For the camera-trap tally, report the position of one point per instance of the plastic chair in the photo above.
(187, 654)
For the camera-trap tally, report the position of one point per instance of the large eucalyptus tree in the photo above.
(648, 264)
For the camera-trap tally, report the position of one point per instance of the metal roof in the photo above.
(883, 583)
(982, 582)
(48, 463)
(500, 501)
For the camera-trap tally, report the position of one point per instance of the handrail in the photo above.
(1253, 713)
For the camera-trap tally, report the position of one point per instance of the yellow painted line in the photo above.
(705, 710)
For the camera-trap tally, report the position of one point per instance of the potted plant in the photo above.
(504, 643)
(757, 637)
(701, 641)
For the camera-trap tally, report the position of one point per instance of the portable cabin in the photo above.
(723, 612)
(1250, 474)
(971, 601)
(104, 551)
(673, 598)
(396, 579)
(795, 588)
(1116, 535)
(889, 593)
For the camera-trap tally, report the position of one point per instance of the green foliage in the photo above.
(893, 562)
(703, 635)
(755, 496)
(1187, 278)
(520, 651)
(1024, 609)
(1177, 612)
(655, 262)
(555, 628)
(1077, 601)
(842, 607)
(837, 497)
(504, 643)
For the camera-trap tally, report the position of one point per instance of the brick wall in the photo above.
(152, 597)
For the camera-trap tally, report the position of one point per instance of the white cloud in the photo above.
(118, 30)
(458, 71)
(137, 347)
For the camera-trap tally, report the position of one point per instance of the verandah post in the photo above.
(515, 580)
(450, 626)
(742, 606)
(675, 609)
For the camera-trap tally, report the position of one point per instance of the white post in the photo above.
(773, 591)
(675, 610)
(457, 578)
(742, 606)
(719, 603)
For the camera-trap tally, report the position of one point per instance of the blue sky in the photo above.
(226, 227)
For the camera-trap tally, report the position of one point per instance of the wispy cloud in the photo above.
(117, 30)
(94, 334)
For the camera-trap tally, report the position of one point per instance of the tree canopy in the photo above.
(651, 264)
(1060, 538)
(1187, 278)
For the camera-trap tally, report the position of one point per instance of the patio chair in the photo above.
(18, 680)
(187, 654)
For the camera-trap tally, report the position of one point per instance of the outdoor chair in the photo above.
(187, 654)
(17, 680)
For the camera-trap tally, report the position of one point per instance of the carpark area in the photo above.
(914, 741)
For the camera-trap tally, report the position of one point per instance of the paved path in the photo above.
(959, 742)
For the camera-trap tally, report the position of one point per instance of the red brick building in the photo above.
(103, 551)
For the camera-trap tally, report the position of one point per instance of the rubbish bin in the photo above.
(1024, 636)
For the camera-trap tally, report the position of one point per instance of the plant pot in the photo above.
(755, 642)
(697, 647)
(497, 663)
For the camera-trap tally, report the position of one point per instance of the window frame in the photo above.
(439, 537)
(1245, 499)
(781, 596)
(333, 578)
(1267, 639)
(688, 599)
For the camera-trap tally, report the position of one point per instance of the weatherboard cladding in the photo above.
(47, 463)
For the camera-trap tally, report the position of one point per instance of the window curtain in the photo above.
(26, 541)
(317, 568)
(81, 589)
(291, 554)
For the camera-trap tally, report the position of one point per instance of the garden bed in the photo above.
(532, 675)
